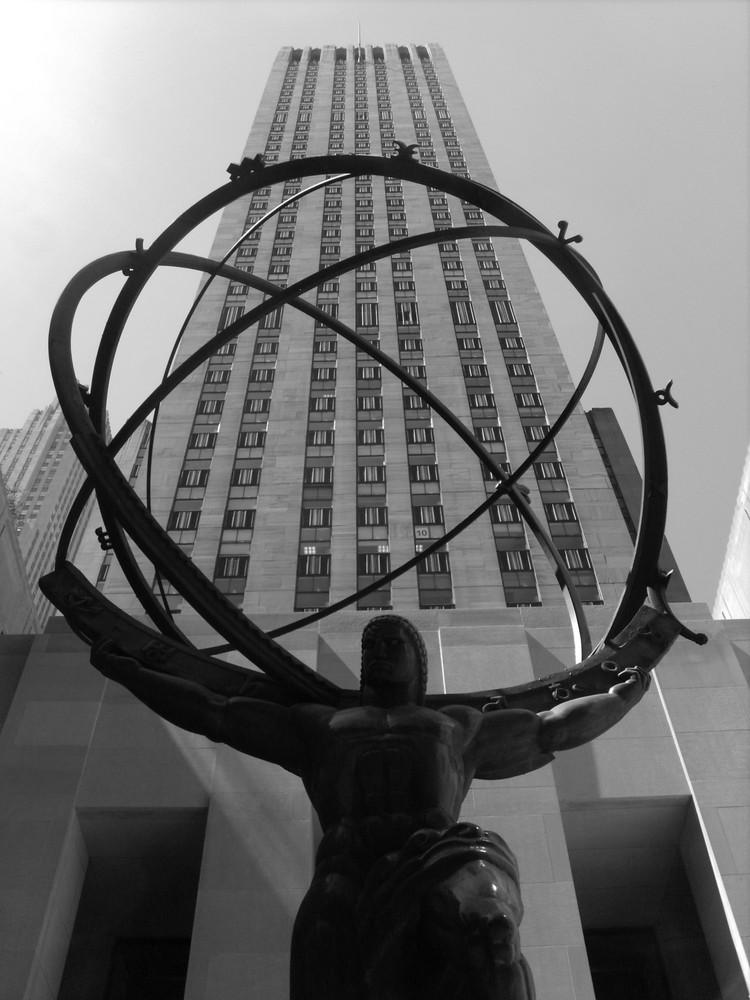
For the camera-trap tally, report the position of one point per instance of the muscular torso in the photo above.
(373, 762)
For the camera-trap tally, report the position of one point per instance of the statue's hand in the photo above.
(111, 662)
(634, 687)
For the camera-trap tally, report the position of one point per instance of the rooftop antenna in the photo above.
(359, 42)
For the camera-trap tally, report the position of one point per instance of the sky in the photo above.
(628, 118)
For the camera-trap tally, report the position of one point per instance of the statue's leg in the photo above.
(470, 927)
(324, 960)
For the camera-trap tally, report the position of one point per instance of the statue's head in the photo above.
(394, 655)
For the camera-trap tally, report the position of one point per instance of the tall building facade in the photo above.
(295, 470)
(296, 439)
(733, 592)
(42, 476)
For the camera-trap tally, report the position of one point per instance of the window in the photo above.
(436, 563)
(316, 475)
(423, 473)
(324, 374)
(403, 286)
(515, 562)
(415, 403)
(371, 435)
(239, 518)
(257, 405)
(262, 375)
(456, 284)
(368, 372)
(371, 474)
(482, 400)
(193, 477)
(576, 558)
(373, 563)
(371, 516)
(557, 512)
(419, 435)
(320, 438)
(245, 477)
(183, 520)
(535, 432)
(316, 517)
(428, 515)
(410, 344)
(204, 440)
(215, 375)
(103, 571)
(329, 308)
(469, 344)
(272, 320)
(488, 265)
(490, 283)
(528, 399)
(407, 314)
(416, 371)
(402, 265)
(232, 566)
(267, 347)
(520, 371)
(367, 286)
(505, 513)
(512, 343)
(323, 404)
(493, 433)
(475, 371)
(210, 406)
(462, 312)
(325, 347)
(278, 269)
(314, 565)
(227, 349)
(549, 470)
(369, 403)
(251, 439)
(367, 313)
(502, 311)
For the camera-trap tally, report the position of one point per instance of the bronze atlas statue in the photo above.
(406, 902)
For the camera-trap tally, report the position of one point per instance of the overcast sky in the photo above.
(629, 118)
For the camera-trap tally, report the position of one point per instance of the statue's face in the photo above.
(389, 658)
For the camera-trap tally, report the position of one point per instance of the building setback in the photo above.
(295, 470)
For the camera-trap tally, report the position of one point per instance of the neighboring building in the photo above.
(733, 594)
(294, 471)
(43, 475)
(17, 614)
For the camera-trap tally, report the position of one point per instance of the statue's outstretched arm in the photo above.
(255, 727)
(515, 741)
(573, 723)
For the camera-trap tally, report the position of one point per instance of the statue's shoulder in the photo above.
(470, 719)
(311, 714)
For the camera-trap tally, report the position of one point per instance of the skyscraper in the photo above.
(294, 470)
(295, 440)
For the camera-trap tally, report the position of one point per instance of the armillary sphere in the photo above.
(638, 634)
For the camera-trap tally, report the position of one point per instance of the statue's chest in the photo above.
(388, 762)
